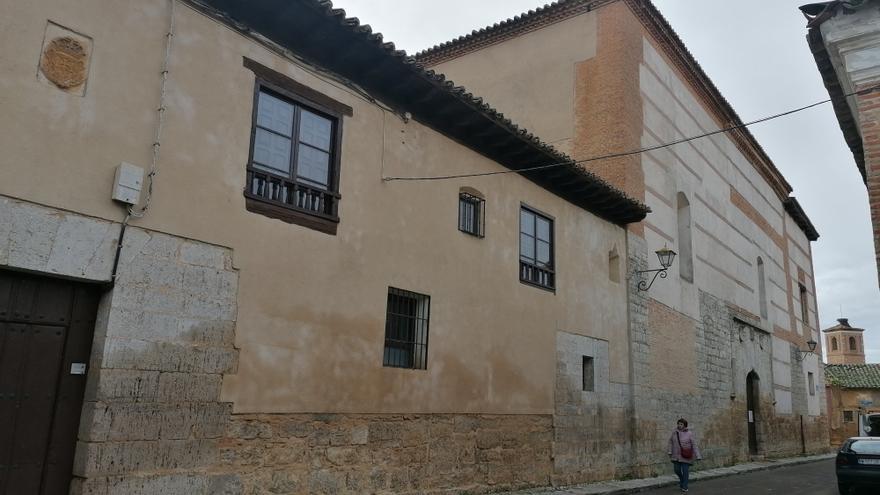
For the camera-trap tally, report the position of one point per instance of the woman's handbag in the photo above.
(686, 452)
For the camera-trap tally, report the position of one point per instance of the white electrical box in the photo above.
(128, 183)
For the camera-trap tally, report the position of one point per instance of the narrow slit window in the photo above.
(471, 214)
(805, 307)
(406, 330)
(589, 377)
(811, 383)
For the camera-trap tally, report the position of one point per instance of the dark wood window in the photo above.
(471, 214)
(536, 249)
(852, 344)
(406, 329)
(293, 171)
(588, 374)
(848, 416)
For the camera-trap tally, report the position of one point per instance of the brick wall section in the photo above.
(869, 121)
(386, 454)
(608, 118)
(152, 419)
(752, 214)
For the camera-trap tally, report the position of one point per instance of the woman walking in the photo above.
(683, 452)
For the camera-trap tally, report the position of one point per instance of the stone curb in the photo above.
(640, 485)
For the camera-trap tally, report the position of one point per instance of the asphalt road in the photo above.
(816, 478)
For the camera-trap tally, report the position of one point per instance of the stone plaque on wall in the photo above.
(64, 59)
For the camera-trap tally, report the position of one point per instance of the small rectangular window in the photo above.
(536, 257)
(848, 417)
(471, 214)
(588, 374)
(811, 384)
(406, 330)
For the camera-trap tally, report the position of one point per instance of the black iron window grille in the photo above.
(471, 214)
(536, 249)
(406, 330)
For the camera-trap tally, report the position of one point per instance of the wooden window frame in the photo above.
(327, 219)
(525, 266)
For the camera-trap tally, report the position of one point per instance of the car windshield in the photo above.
(865, 447)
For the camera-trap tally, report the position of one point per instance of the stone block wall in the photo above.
(56, 242)
(386, 454)
(590, 428)
(719, 351)
(152, 420)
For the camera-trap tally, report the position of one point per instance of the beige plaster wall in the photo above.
(311, 307)
(533, 80)
(840, 400)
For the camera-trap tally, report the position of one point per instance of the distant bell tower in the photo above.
(844, 344)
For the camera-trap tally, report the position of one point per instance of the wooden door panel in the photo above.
(45, 325)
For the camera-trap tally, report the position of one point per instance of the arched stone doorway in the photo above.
(753, 395)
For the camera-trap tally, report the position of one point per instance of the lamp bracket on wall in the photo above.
(801, 355)
(665, 256)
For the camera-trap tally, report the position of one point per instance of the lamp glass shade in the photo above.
(665, 256)
(811, 345)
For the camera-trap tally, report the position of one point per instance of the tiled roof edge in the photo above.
(657, 25)
(460, 92)
(793, 207)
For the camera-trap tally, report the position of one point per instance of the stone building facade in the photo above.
(718, 341)
(262, 329)
(845, 40)
(261, 315)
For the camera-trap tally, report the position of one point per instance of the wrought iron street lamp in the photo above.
(811, 346)
(666, 256)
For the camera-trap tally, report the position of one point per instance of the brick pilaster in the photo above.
(869, 121)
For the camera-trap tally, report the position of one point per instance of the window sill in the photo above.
(538, 286)
(255, 204)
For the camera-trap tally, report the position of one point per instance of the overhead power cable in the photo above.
(638, 151)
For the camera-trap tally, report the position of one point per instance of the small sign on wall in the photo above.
(77, 368)
(751, 417)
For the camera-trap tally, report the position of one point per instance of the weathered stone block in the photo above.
(122, 384)
(201, 254)
(113, 458)
(177, 387)
(129, 421)
(161, 356)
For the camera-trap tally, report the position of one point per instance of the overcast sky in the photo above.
(756, 54)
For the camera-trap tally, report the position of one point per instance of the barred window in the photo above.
(847, 416)
(471, 214)
(536, 249)
(406, 329)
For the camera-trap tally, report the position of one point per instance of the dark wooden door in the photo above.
(752, 395)
(46, 328)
